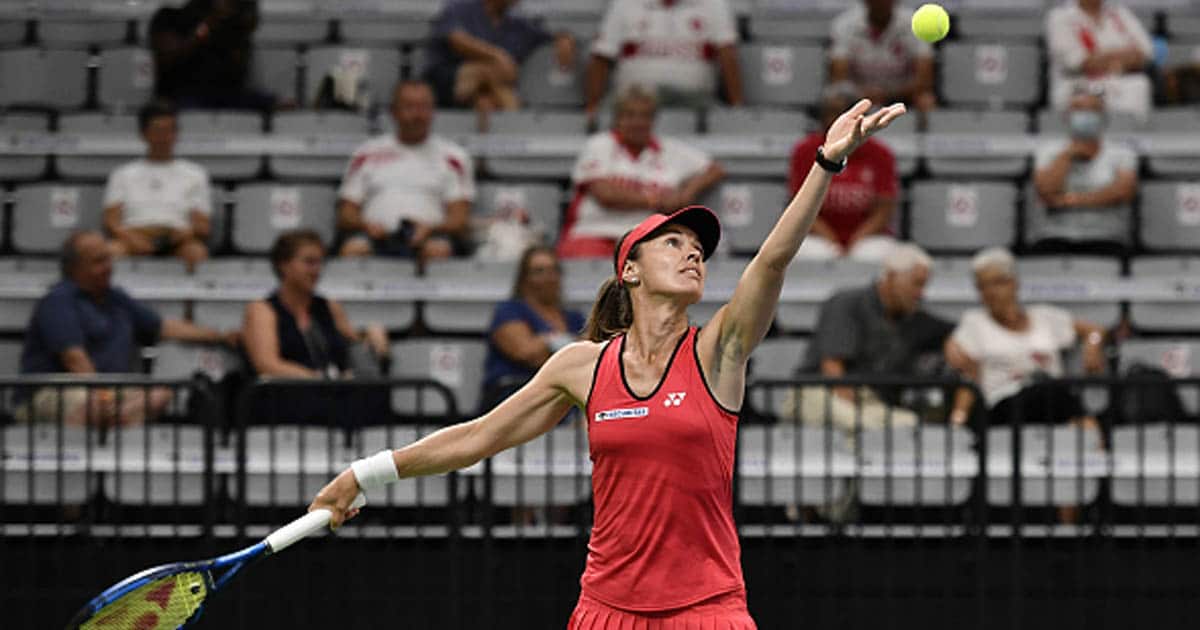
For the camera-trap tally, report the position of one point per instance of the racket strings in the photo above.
(164, 604)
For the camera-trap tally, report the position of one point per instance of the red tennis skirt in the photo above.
(724, 612)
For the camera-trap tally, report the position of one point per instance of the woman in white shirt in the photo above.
(1009, 350)
(1101, 43)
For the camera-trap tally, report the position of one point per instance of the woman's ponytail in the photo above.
(612, 314)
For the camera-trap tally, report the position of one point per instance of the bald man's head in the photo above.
(87, 260)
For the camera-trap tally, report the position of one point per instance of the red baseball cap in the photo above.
(700, 219)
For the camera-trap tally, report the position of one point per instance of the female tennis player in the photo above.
(661, 400)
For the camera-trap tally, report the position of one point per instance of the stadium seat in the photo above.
(1170, 215)
(782, 75)
(544, 84)
(287, 465)
(1174, 120)
(315, 126)
(748, 211)
(816, 280)
(377, 273)
(48, 465)
(541, 202)
(292, 29)
(989, 75)
(1184, 24)
(411, 492)
(1060, 465)
(10, 357)
(94, 167)
(22, 167)
(125, 78)
(78, 33)
(951, 121)
(1165, 316)
(44, 215)
(1054, 123)
(472, 287)
(929, 465)
(179, 361)
(1102, 312)
(583, 28)
(382, 69)
(1179, 357)
(235, 281)
(155, 464)
(735, 121)
(276, 71)
(669, 121)
(901, 133)
(786, 27)
(53, 78)
(777, 358)
(1156, 465)
(450, 122)
(263, 211)
(147, 275)
(33, 275)
(528, 123)
(388, 30)
(454, 363)
(582, 278)
(552, 469)
(793, 465)
(215, 126)
(13, 32)
(961, 217)
(981, 25)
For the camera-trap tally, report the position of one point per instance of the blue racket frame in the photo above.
(233, 562)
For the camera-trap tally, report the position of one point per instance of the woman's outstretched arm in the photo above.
(533, 410)
(747, 317)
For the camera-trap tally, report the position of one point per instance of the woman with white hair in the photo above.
(1009, 350)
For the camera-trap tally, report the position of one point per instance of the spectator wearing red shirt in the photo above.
(856, 218)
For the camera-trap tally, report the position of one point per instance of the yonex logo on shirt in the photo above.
(674, 399)
(621, 414)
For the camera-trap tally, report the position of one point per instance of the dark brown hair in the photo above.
(612, 314)
(288, 243)
(523, 267)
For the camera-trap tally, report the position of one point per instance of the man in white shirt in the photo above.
(625, 174)
(1085, 186)
(407, 194)
(875, 53)
(158, 205)
(668, 46)
(1101, 45)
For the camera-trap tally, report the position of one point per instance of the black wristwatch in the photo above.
(832, 167)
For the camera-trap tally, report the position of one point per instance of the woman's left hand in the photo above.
(854, 126)
(1093, 359)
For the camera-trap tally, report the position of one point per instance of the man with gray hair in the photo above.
(876, 330)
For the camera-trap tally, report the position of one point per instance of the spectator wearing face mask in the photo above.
(1085, 187)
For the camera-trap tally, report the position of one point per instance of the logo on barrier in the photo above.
(674, 399)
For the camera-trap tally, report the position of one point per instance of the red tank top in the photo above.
(662, 482)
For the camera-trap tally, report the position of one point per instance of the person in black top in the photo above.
(202, 54)
(295, 333)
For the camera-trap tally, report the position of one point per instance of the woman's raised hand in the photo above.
(854, 126)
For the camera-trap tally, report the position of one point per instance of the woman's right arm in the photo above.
(531, 411)
(262, 345)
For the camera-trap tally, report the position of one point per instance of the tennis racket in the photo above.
(172, 596)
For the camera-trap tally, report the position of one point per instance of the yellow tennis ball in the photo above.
(930, 22)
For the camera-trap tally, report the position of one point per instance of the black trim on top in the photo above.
(662, 379)
(704, 379)
(595, 372)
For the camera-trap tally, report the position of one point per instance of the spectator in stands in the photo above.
(202, 53)
(1010, 349)
(407, 194)
(295, 332)
(669, 47)
(529, 327)
(1086, 187)
(857, 216)
(159, 205)
(1101, 44)
(85, 325)
(877, 330)
(875, 56)
(627, 173)
(476, 48)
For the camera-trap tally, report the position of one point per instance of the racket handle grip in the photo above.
(305, 526)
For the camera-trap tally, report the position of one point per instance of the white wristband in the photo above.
(375, 471)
